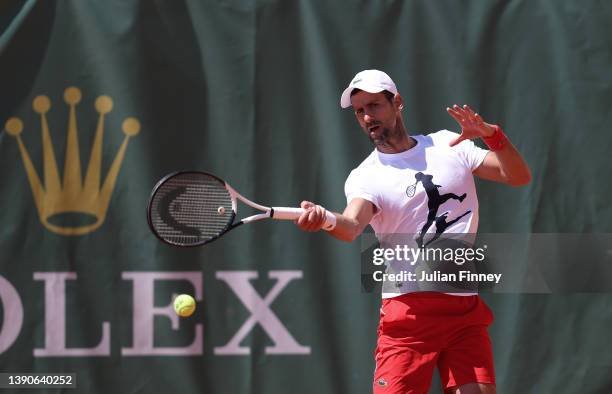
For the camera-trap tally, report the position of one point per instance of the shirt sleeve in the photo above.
(356, 187)
(471, 154)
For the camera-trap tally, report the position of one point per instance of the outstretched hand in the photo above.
(472, 125)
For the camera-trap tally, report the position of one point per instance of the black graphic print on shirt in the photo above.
(434, 201)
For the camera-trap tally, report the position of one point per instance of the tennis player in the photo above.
(423, 185)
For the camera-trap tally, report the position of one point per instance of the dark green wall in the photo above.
(250, 90)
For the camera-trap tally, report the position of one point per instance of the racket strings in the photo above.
(191, 208)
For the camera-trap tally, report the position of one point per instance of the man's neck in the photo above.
(402, 144)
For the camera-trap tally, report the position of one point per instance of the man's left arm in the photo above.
(503, 163)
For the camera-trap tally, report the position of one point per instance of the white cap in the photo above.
(371, 81)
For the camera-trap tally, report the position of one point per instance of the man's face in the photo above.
(377, 116)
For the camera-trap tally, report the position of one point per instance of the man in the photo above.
(421, 330)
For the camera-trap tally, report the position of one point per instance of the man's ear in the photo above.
(398, 101)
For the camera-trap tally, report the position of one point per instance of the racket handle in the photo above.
(284, 213)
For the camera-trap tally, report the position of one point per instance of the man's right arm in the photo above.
(349, 225)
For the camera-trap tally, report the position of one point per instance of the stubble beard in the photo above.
(386, 137)
(382, 139)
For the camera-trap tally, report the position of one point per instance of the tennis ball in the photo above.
(184, 305)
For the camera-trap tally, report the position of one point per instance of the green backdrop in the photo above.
(250, 90)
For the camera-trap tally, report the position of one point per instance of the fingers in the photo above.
(316, 218)
(464, 114)
(455, 114)
(472, 124)
(313, 217)
(306, 204)
(302, 221)
(471, 115)
(469, 111)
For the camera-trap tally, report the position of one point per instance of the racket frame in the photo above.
(279, 213)
(163, 180)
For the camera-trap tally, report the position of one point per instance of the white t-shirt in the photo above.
(444, 197)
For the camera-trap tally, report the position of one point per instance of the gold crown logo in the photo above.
(73, 196)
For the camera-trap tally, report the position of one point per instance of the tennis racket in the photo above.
(410, 190)
(192, 208)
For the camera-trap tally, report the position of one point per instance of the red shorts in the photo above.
(418, 331)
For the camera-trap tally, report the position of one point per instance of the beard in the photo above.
(382, 138)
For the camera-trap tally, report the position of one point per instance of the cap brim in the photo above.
(345, 99)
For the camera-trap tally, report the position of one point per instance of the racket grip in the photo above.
(284, 213)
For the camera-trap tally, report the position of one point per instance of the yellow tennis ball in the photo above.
(184, 305)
